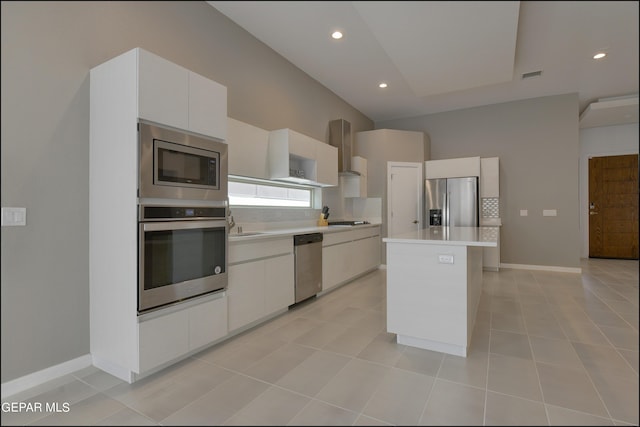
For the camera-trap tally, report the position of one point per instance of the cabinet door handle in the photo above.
(593, 213)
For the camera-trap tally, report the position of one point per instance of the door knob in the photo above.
(415, 221)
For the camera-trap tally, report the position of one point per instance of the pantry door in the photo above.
(405, 186)
(613, 207)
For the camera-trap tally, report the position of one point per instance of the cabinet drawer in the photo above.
(338, 237)
(363, 233)
(163, 339)
(207, 322)
(256, 249)
(350, 235)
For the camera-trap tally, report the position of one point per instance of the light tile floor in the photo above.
(548, 349)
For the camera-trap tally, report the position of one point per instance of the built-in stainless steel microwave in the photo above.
(179, 165)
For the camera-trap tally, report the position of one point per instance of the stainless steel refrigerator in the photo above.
(451, 202)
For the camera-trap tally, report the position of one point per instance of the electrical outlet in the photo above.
(445, 259)
(524, 212)
(14, 217)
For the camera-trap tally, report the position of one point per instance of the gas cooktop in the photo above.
(349, 223)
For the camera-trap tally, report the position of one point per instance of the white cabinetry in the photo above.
(261, 280)
(172, 95)
(490, 177)
(139, 85)
(452, 168)
(348, 254)
(301, 159)
(354, 185)
(169, 336)
(491, 256)
(326, 164)
(248, 150)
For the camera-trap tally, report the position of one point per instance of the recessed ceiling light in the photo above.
(337, 35)
(599, 55)
(382, 85)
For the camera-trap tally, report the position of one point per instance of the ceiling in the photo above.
(443, 56)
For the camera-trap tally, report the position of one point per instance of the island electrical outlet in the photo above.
(445, 259)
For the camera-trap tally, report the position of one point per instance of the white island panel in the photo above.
(434, 282)
(426, 299)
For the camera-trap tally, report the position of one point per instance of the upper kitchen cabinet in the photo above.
(356, 185)
(298, 158)
(452, 168)
(326, 164)
(248, 150)
(490, 177)
(172, 95)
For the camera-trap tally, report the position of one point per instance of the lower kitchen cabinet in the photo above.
(207, 323)
(246, 293)
(170, 336)
(279, 283)
(491, 256)
(261, 280)
(349, 254)
(163, 339)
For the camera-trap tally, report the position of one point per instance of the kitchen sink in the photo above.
(244, 234)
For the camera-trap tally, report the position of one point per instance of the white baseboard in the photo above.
(542, 267)
(40, 377)
(115, 370)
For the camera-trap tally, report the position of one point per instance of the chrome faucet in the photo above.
(230, 221)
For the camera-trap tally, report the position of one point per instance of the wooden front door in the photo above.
(613, 207)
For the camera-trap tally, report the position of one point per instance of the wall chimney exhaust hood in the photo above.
(340, 137)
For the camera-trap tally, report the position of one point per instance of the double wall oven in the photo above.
(182, 211)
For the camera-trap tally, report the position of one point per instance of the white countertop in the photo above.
(488, 222)
(283, 232)
(452, 236)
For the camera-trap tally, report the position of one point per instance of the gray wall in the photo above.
(538, 145)
(48, 49)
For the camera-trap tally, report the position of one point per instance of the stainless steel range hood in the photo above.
(340, 136)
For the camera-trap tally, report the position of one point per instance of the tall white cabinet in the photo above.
(490, 200)
(490, 177)
(140, 85)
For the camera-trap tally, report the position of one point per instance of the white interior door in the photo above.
(404, 197)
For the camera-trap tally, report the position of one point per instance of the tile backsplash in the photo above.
(257, 218)
(490, 207)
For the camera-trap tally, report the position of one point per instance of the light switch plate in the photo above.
(524, 212)
(549, 212)
(14, 217)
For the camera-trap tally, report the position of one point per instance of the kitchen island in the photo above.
(434, 282)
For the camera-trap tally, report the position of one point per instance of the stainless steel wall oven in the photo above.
(182, 253)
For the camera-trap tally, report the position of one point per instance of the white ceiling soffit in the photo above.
(483, 35)
(439, 56)
(416, 47)
(610, 111)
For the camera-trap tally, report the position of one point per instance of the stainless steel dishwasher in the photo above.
(307, 250)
